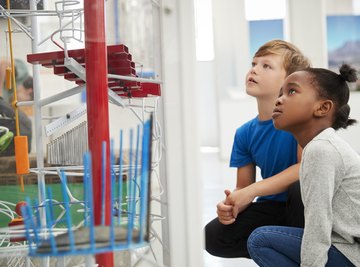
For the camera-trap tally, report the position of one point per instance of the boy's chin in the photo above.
(251, 92)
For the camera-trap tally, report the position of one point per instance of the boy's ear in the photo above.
(324, 108)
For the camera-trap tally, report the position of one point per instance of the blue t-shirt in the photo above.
(272, 150)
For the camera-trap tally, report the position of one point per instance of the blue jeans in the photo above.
(280, 246)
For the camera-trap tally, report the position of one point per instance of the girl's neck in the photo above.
(304, 134)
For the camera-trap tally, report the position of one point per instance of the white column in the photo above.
(231, 46)
(232, 61)
(306, 28)
(182, 153)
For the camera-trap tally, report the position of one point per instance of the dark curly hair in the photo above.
(334, 86)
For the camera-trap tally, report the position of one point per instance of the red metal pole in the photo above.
(97, 109)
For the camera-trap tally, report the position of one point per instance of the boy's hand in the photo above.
(240, 200)
(225, 210)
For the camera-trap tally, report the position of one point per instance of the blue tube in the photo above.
(49, 220)
(129, 188)
(145, 173)
(67, 210)
(112, 182)
(120, 178)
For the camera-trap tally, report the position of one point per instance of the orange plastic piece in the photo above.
(8, 78)
(21, 154)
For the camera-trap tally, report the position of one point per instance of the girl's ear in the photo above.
(324, 108)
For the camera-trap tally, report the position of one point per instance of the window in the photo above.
(343, 40)
(265, 21)
(204, 30)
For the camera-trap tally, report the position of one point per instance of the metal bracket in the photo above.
(56, 125)
(75, 67)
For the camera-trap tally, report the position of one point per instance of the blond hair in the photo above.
(293, 58)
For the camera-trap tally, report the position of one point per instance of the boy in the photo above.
(258, 143)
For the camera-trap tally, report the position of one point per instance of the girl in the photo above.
(312, 105)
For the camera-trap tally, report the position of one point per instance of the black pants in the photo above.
(230, 241)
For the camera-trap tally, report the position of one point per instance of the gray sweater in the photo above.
(330, 189)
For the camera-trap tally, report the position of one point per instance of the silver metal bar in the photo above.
(61, 95)
(54, 126)
(75, 67)
(116, 99)
(63, 27)
(18, 23)
(37, 118)
(24, 103)
(136, 79)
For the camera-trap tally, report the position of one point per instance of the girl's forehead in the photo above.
(300, 76)
(299, 79)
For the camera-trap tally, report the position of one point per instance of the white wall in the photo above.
(309, 35)
(352, 133)
(336, 7)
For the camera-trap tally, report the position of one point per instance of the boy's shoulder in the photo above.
(249, 123)
(255, 123)
(255, 130)
(252, 128)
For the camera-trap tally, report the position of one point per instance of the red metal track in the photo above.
(119, 62)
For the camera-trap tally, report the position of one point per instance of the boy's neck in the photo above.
(265, 108)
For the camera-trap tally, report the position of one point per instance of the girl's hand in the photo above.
(240, 200)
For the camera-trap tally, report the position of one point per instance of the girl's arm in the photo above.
(321, 165)
(278, 183)
(270, 186)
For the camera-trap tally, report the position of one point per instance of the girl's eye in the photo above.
(253, 64)
(291, 91)
(266, 66)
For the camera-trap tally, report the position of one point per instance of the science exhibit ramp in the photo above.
(129, 225)
(122, 76)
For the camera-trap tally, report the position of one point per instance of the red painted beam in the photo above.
(97, 110)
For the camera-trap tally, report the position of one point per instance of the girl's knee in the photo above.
(258, 239)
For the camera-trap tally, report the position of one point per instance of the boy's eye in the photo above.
(266, 66)
(253, 64)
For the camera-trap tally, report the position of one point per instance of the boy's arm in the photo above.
(245, 176)
(277, 183)
(270, 186)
